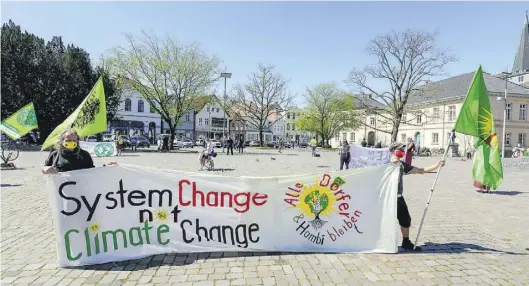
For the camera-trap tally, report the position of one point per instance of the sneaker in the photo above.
(407, 245)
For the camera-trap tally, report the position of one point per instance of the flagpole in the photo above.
(504, 119)
(452, 135)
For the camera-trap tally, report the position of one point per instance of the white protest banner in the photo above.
(131, 212)
(365, 157)
(100, 149)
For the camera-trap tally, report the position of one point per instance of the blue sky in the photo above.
(308, 42)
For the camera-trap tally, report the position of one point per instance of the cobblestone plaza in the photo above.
(468, 238)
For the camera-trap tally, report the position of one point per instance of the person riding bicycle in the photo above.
(208, 153)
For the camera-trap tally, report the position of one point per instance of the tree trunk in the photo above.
(171, 140)
(395, 128)
(261, 137)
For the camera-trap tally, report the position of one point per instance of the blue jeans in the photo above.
(313, 150)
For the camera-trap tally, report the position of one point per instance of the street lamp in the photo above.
(504, 98)
(225, 75)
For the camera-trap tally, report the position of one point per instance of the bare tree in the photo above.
(167, 74)
(406, 61)
(263, 100)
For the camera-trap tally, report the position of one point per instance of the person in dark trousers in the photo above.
(364, 143)
(229, 146)
(68, 155)
(241, 144)
(403, 215)
(345, 155)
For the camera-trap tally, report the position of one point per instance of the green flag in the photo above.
(476, 119)
(89, 118)
(20, 123)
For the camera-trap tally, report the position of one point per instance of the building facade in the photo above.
(430, 118)
(292, 132)
(135, 117)
(211, 122)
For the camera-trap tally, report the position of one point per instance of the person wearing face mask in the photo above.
(403, 215)
(68, 155)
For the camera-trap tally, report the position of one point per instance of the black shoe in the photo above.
(407, 245)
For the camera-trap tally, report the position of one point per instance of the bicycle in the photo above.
(10, 150)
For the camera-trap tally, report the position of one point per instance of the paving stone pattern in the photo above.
(469, 238)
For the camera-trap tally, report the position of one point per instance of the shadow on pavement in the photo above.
(323, 166)
(13, 169)
(457, 247)
(10, 185)
(270, 154)
(507, 193)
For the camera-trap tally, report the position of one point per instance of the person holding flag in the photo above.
(403, 215)
(476, 119)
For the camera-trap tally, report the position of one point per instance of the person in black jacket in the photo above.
(68, 156)
(230, 146)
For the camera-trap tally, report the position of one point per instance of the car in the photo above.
(246, 143)
(254, 143)
(303, 144)
(160, 141)
(187, 143)
(273, 144)
(288, 145)
(216, 143)
(142, 142)
(109, 138)
(126, 141)
(91, 138)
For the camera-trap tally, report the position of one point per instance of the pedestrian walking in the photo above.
(241, 144)
(345, 155)
(403, 215)
(280, 145)
(313, 145)
(229, 147)
(469, 151)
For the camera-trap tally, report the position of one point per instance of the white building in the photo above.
(278, 129)
(210, 122)
(135, 117)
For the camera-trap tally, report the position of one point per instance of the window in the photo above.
(206, 121)
(451, 113)
(435, 115)
(344, 136)
(188, 117)
(520, 78)
(288, 126)
(140, 105)
(523, 111)
(293, 126)
(128, 104)
(522, 138)
(419, 118)
(151, 109)
(435, 138)
(218, 109)
(207, 109)
(293, 117)
(371, 120)
(509, 109)
(403, 137)
(353, 137)
(508, 139)
(200, 122)
(288, 115)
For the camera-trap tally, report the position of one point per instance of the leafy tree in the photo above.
(55, 77)
(329, 111)
(405, 61)
(262, 101)
(167, 74)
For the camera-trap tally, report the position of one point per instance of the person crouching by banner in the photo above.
(403, 215)
(345, 155)
(68, 155)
